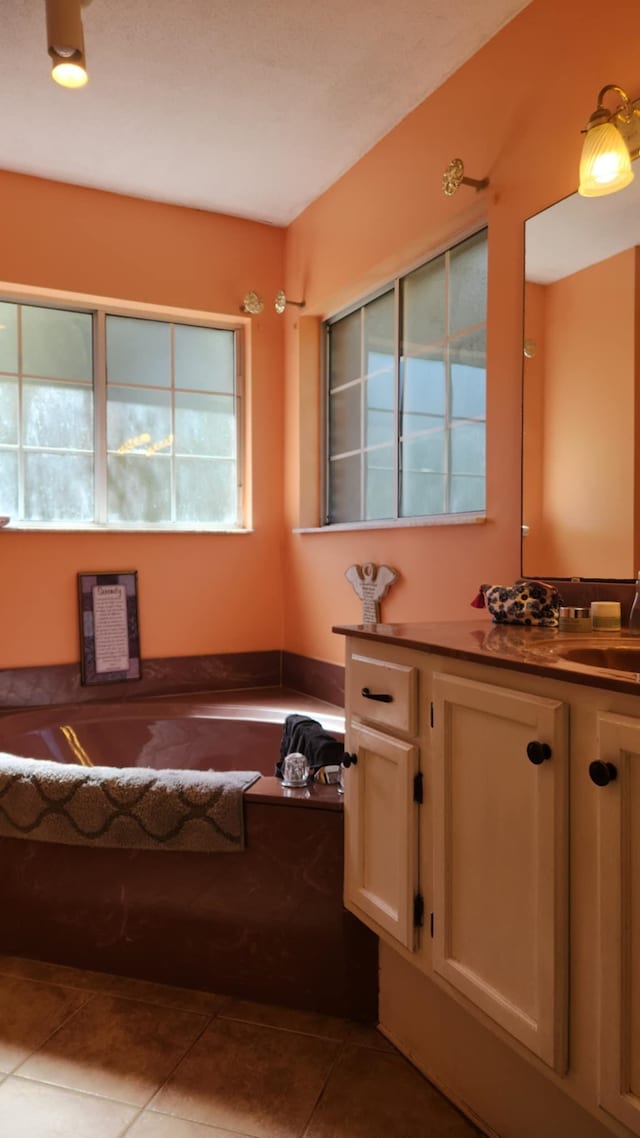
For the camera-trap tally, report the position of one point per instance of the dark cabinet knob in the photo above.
(381, 697)
(349, 760)
(538, 752)
(602, 773)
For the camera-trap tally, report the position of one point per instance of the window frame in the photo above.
(392, 284)
(100, 308)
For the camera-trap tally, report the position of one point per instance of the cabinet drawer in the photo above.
(369, 678)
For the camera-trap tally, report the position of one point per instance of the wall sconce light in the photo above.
(253, 304)
(281, 302)
(611, 141)
(65, 42)
(454, 176)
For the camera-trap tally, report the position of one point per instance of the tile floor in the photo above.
(85, 1055)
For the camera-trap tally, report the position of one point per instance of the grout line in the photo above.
(67, 1019)
(338, 1056)
(207, 1023)
(281, 1027)
(107, 991)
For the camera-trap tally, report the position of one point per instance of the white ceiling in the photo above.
(246, 107)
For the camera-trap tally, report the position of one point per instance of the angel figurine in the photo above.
(371, 585)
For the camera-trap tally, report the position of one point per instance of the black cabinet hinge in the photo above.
(431, 923)
(418, 910)
(431, 714)
(418, 791)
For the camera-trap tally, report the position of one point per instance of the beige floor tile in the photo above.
(164, 994)
(29, 1013)
(374, 1093)
(152, 1125)
(256, 1080)
(122, 1049)
(309, 1023)
(32, 1110)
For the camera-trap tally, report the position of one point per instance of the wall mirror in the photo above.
(581, 423)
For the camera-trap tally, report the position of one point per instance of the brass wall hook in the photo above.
(252, 303)
(454, 176)
(281, 302)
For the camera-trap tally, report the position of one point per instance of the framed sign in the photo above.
(109, 637)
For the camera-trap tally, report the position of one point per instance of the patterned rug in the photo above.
(130, 808)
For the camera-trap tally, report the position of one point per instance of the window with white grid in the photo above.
(406, 395)
(110, 420)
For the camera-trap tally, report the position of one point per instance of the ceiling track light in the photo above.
(65, 42)
(612, 140)
(454, 177)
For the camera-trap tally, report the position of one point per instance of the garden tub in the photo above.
(266, 923)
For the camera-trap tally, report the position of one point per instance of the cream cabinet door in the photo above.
(616, 774)
(381, 833)
(500, 822)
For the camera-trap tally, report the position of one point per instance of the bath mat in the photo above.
(126, 808)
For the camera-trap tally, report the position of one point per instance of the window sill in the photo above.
(25, 527)
(398, 523)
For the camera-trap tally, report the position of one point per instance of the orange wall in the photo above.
(587, 455)
(514, 112)
(198, 593)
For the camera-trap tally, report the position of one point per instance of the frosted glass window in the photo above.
(380, 408)
(468, 376)
(205, 489)
(204, 359)
(423, 306)
(108, 420)
(9, 483)
(406, 394)
(380, 483)
(346, 363)
(423, 475)
(8, 411)
(468, 284)
(139, 488)
(379, 333)
(8, 337)
(205, 425)
(57, 344)
(345, 503)
(138, 421)
(57, 415)
(423, 394)
(138, 351)
(344, 419)
(468, 448)
(58, 487)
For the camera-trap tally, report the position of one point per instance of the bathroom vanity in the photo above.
(492, 844)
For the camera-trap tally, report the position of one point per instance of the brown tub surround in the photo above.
(178, 675)
(266, 924)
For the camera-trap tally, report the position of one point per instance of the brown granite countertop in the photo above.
(533, 650)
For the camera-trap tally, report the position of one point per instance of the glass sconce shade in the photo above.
(605, 165)
(68, 73)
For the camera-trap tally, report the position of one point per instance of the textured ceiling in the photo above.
(242, 106)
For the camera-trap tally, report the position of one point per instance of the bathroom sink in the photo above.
(619, 655)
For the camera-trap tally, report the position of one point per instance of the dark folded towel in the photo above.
(309, 738)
